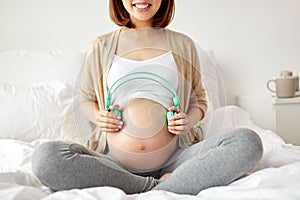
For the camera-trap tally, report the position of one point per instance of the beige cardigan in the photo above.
(98, 62)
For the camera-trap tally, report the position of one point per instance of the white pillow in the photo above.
(41, 111)
(30, 67)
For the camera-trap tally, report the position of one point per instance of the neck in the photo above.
(141, 24)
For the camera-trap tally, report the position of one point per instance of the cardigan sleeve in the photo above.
(88, 79)
(93, 85)
(198, 95)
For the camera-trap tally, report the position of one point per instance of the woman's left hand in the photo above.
(179, 124)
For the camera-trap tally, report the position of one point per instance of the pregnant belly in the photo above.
(144, 142)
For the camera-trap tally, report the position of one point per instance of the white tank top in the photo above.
(143, 85)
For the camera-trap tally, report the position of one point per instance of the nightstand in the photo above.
(281, 115)
(287, 118)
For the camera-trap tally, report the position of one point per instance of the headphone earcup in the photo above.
(107, 102)
(170, 114)
(116, 112)
(176, 101)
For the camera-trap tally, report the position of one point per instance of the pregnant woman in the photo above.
(142, 88)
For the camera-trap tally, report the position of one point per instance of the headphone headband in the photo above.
(176, 100)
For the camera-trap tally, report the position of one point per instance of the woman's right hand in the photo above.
(109, 122)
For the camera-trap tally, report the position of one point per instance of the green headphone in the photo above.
(170, 89)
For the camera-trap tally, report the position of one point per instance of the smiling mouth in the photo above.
(142, 5)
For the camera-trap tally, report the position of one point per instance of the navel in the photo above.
(142, 147)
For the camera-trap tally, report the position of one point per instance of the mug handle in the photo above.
(268, 85)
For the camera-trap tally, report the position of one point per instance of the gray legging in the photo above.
(216, 161)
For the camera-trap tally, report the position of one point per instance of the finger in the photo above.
(106, 120)
(110, 127)
(178, 116)
(110, 122)
(180, 122)
(176, 132)
(110, 130)
(116, 107)
(177, 128)
(118, 125)
(174, 108)
(107, 114)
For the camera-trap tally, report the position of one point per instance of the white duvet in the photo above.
(277, 175)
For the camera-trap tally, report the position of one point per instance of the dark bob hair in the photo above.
(121, 17)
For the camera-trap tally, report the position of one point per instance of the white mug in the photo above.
(285, 87)
(287, 73)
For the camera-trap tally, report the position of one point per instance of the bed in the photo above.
(39, 103)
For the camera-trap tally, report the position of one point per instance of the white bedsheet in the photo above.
(277, 175)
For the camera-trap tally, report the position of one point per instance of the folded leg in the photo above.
(216, 161)
(63, 166)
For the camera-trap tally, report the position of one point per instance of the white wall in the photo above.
(52, 24)
(253, 40)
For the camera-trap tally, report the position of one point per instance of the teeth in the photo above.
(141, 6)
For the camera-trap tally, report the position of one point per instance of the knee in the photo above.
(250, 143)
(44, 159)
